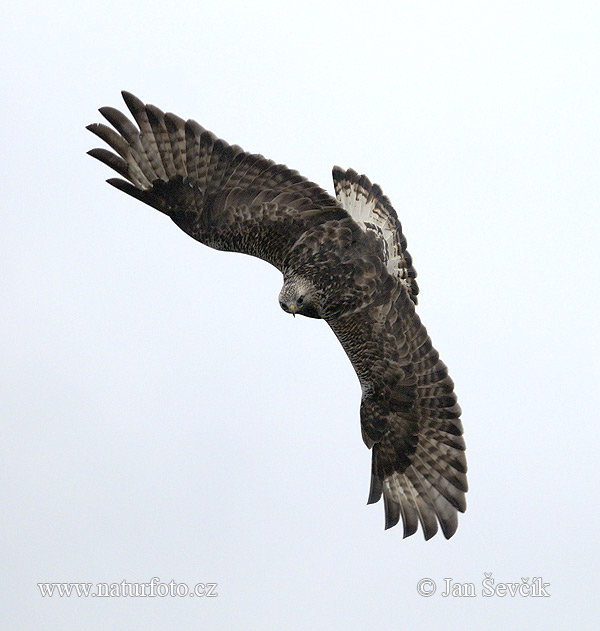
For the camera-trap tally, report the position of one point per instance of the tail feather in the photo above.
(372, 210)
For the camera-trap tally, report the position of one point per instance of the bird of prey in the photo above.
(344, 260)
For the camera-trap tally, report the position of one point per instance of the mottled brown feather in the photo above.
(353, 254)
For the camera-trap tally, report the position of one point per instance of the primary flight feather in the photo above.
(344, 260)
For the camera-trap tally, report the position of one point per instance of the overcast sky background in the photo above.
(162, 416)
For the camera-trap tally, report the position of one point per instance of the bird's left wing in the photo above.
(216, 192)
(410, 416)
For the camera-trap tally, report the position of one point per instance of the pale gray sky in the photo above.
(161, 416)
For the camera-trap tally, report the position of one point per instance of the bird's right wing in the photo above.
(216, 192)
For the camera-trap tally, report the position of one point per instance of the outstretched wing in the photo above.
(232, 200)
(216, 192)
(372, 210)
(410, 416)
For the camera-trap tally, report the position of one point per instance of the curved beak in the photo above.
(292, 308)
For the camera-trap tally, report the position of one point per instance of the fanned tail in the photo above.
(372, 210)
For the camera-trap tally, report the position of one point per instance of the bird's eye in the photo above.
(300, 300)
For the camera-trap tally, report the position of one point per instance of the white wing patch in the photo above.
(371, 209)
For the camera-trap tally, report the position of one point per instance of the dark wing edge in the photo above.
(410, 417)
(216, 192)
(373, 211)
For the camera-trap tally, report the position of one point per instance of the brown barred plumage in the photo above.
(343, 260)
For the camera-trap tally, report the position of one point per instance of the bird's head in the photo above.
(298, 296)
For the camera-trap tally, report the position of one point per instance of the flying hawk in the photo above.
(343, 260)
